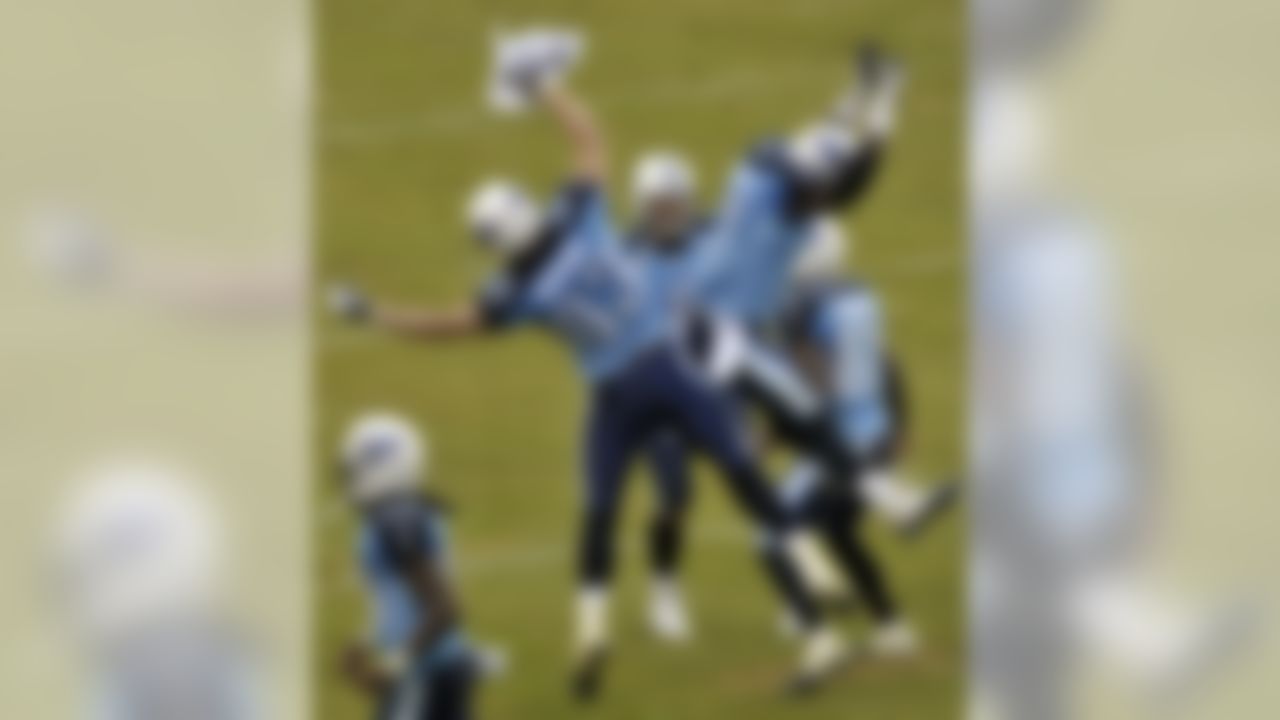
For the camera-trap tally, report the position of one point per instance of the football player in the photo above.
(418, 663)
(665, 239)
(566, 270)
(834, 331)
(776, 200)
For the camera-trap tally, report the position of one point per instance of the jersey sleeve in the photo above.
(501, 303)
(404, 540)
(787, 190)
(762, 188)
(848, 328)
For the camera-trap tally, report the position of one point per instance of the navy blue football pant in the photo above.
(439, 693)
(767, 381)
(659, 392)
(834, 513)
(668, 459)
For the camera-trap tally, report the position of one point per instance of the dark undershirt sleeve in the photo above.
(499, 304)
(856, 177)
(849, 185)
(581, 208)
(405, 541)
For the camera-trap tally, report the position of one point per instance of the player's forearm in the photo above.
(580, 127)
(363, 671)
(432, 631)
(426, 324)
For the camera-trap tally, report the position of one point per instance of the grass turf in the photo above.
(402, 136)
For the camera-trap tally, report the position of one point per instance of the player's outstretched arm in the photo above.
(589, 154)
(430, 324)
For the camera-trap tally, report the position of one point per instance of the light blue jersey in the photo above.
(843, 322)
(671, 272)
(394, 538)
(583, 286)
(746, 260)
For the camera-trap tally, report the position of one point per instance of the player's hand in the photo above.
(349, 303)
(527, 61)
(360, 666)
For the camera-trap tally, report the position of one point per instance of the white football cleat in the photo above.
(668, 616)
(491, 661)
(935, 503)
(823, 654)
(895, 639)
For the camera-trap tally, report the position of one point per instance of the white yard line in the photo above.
(538, 556)
(470, 118)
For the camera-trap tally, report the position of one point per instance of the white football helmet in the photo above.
(383, 454)
(661, 174)
(503, 217)
(824, 254)
(817, 152)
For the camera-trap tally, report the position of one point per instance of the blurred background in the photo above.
(1122, 165)
(153, 399)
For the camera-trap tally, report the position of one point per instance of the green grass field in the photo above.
(403, 135)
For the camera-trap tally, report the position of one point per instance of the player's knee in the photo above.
(668, 516)
(596, 544)
(771, 540)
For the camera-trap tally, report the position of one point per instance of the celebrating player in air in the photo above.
(737, 266)
(419, 664)
(566, 270)
(776, 200)
(665, 239)
(734, 269)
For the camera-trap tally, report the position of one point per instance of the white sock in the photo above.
(882, 112)
(665, 586)
(815, 566)
(874, 111)
(823, 647)
(667, 615)
(848, 108)
(592, 626)
(897, 500)
(895, 638)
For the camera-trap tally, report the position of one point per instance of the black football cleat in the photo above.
(940, 500)
(588, 676)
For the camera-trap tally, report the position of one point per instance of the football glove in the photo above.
(349, 303)
(528, 60)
